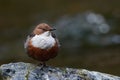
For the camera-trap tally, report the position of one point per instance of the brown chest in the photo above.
(42, 54)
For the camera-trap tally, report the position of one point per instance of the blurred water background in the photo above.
(88, 31)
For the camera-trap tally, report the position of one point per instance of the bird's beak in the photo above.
(52, 29)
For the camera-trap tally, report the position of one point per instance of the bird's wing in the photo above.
(27, 40)
(54, 36)
(31, 35)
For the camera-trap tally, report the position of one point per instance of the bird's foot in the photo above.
(42, 65)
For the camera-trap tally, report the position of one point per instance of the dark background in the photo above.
(88, 31)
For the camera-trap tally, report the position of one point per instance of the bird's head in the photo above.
(43, 27)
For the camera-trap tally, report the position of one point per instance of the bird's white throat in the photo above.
(43, 41)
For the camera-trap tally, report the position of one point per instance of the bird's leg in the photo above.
(40, 64)
(43, 64)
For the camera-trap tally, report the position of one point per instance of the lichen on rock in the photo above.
(28, 71)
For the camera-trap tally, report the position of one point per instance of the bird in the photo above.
(42, 44)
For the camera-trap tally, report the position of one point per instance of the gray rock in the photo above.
(28, 71)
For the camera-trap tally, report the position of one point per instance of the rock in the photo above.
(28, 71)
